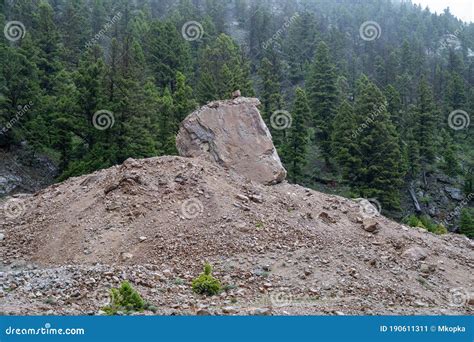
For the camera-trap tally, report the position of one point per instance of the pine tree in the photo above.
(63, 108)
(47, 40)
(322, 95)
(19, 85)
(381, 172)
(450, 164)
(75, 29)
(425, 123)
(259, 28)
(183, 98)
(271, 97)
(299, 45)
(344, 147)
(222, 71)
(132, 132)
(394, 107)
(295, 149)
(413, 154)
(455, 93)
(167, 52)
(466, 225)
(167, 125)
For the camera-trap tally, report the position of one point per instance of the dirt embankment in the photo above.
(279, 249)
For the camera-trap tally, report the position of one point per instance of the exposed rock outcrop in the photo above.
(21, 172)
(233, 133)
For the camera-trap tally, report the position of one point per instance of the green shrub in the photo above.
(466, 226)
(206, 284)
(427, 223)
(439, 230)
(125, 299)
(412, 221)
(425, 200)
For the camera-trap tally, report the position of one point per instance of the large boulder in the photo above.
(234, 135)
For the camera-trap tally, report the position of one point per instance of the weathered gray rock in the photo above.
(455, 193)
(261, 312)
(233, 133)
(8, 183)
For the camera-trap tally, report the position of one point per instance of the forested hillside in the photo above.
(367, 99)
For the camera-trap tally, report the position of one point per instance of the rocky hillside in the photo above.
(280, 249)
(23, 172)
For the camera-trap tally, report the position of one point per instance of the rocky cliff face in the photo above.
(234, 135)
(21, 172)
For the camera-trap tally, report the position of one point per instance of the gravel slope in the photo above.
(279, 249)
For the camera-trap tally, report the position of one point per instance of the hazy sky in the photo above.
(463, 9)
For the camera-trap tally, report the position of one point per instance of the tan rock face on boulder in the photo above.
(233, 133)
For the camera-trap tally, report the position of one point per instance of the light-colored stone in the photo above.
(234, 134)
(415, 253)
(126, 256)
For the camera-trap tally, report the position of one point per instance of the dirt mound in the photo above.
(282, 249)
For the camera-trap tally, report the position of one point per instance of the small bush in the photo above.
(466, 226)
(412, 221)
(427, 223)
(206, 284)
(151, 307)
(125, 299)
(425, 200)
